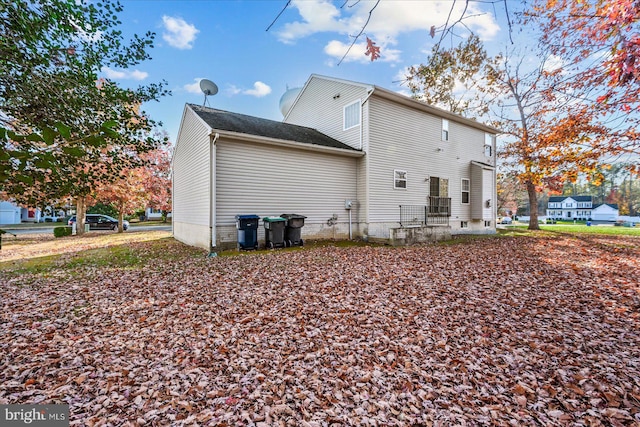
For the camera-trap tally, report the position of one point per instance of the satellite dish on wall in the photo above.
(209, 88)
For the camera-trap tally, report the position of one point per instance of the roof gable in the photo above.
(221, 120)
(407, 101)
(611, 206)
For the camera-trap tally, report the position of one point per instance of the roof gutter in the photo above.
(288, 144)
(212, 192)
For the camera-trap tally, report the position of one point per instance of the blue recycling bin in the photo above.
(247, 226)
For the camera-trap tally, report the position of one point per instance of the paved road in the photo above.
(47, 230)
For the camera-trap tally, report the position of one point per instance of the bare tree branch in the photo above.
(360, 33)
(276, 18)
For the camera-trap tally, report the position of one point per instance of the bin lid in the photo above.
(247, 217)
(293, 216)
(273, 219)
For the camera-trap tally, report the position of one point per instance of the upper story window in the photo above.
(445, 129)
(466, 190)
(351, 115)
(399, 179)
(489, 142)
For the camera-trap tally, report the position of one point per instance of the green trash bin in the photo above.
(274, 231)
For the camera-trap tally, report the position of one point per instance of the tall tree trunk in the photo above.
(533, 206)
(81, 210)
(121, 220)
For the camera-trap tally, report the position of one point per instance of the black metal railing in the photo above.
(437, 212)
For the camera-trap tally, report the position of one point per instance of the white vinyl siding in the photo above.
(266, 180)
(321, 106)
(482, 192)
(351, 115)
(191, 180)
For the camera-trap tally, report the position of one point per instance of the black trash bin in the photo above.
(274, 231)
(247, 226)
(292, 232)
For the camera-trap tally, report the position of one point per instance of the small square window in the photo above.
(445, 129)
(487, 224)
(399, 179)
(464, 224)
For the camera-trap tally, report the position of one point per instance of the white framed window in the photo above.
(445, 129)
(489, 142)
(466, 191)
(487, 224)
(464, 224)
(399, 179)
(351, 115)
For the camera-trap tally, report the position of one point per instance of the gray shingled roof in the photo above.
(241, 123)
(576, 198)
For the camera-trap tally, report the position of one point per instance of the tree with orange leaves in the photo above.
(599, 41)
(548, 137)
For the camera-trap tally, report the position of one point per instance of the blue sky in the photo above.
(227, 42)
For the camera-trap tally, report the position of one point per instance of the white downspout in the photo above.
(212, 192)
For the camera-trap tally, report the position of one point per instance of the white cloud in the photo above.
(124, 74)
(178, 33)
(389, 20)
(193, 87)
(553, 63)
(233, 90)
(259, 90)
(336, 49)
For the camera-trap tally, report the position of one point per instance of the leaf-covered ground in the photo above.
(504, 331)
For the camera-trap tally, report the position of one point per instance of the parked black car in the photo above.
(100, 222)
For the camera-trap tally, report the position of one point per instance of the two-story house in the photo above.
(569, 207)
(580, 208)
(357, 160)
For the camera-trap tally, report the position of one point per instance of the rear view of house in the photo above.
(355, 159)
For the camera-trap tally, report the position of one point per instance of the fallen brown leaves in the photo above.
(41, 245)
(511, 331)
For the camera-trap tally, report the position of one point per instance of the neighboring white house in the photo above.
(580, 208)
(605, 212)
(347, 156)
(11, 213)
(152, 214)
(570, 207)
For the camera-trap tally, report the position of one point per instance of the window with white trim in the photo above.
(489, 142)
(445, 129)
(465, 191)
(487, 223)
(351, 116)
(399, 179)
(464, 224)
